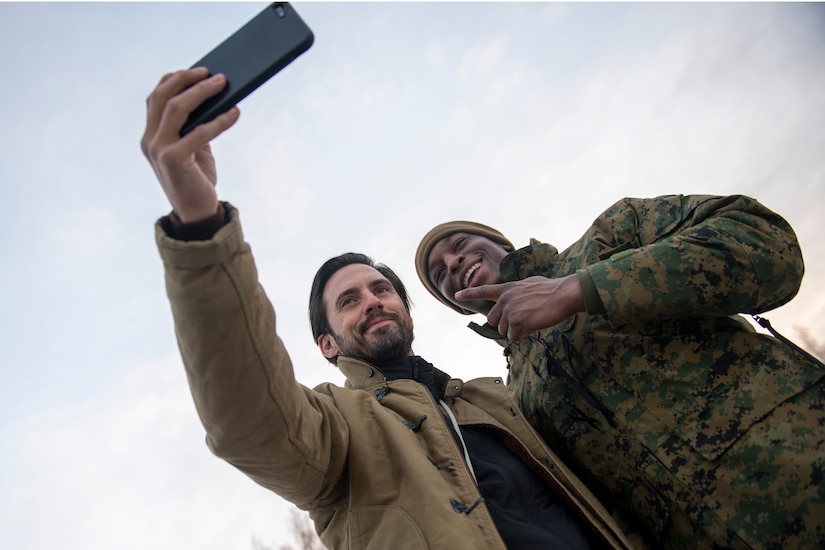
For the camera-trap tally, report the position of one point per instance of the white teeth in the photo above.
(470, 272)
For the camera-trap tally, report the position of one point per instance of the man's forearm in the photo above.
(724, 255)
(239, 371)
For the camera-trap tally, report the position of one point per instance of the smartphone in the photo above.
(266, 44)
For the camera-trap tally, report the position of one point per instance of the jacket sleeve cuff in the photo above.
(198, 231)
(228, 240)
(592, 302)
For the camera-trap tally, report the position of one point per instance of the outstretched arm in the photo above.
(257, 417)
(286, 437)
(680, 256)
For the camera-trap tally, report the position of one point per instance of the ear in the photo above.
(328, 347)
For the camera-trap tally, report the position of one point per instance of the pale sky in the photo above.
(532, 118)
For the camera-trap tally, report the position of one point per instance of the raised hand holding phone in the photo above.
(189, 108)
(185, 166)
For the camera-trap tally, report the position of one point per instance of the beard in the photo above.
(385, 343)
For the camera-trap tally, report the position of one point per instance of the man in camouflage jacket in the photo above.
(627, 352)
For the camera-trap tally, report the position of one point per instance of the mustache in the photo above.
(371, 318)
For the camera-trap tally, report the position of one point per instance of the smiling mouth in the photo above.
(469, 274)
(378, 322)
(374, 321)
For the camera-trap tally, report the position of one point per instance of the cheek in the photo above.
(349, 323)
(339, 324)
(447, 295)
(444, 289)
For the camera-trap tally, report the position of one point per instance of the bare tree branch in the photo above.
(302, 532)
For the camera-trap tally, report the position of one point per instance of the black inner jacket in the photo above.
(527, 514)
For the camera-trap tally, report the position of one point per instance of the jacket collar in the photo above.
(361, 375)
(534, 259)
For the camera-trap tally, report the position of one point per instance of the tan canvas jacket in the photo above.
(344, 454)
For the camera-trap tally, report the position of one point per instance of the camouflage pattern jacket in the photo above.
(668, 370)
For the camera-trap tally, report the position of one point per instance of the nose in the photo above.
(372, 302)
(453, 261)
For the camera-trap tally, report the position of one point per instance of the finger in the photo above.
(504, 327)
(179, 107)
(204, 133)
(483, 292)
(166, 77)
(497, 318)
(170, 85)
(516, 335)
(177, 157)
(515, 331)
(515, 328)
(521, 325)
(494, 315)
(165, 138)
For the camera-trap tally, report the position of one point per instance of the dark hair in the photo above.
(317, 311)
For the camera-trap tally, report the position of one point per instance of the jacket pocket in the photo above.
(707, 395)
(376, 527)
(647, 504)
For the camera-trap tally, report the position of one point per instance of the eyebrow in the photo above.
(354, 290)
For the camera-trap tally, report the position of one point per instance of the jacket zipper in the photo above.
(460, 437)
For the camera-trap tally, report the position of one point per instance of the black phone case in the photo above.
(252, 55)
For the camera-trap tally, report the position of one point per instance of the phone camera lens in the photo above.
(279, 9)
